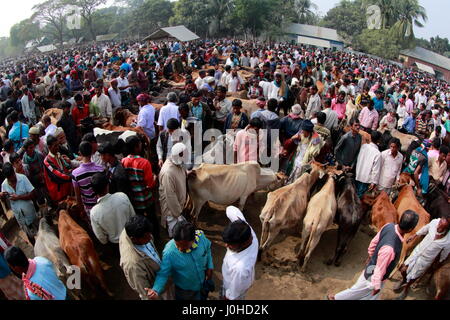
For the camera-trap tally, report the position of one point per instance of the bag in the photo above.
(208, 286)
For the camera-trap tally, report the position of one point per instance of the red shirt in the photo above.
(80, 114)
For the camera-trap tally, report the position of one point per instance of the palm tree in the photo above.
(219, 10)
(304, 11)
(410, 14)
(387, 8)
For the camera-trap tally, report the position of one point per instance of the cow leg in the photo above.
(271, 235)
(197, 207)
(242, 201)
(338, 250)
(312, 245)
(305, 238)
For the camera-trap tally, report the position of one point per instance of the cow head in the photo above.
(321, 168)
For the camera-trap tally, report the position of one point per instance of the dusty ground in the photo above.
(277, 277)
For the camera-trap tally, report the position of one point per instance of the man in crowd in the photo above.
(38, 275)
(112, 211)
(348, 146)
(384, 253)
(368, 165)
(146, 117)
(391, 162)
(139, 258)
(436, 242)
(369, 117)
(82, 177)
(187, 260)
(169, 111)
(238, 268)
(117, 176)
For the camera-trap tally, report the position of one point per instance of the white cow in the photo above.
(226, 184)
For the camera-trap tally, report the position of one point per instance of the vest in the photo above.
(388, 237)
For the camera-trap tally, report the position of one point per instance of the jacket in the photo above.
(139, 269)
(57, 179)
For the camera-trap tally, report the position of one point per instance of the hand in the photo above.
(410, 239)
(65, 158)
(419, 191)
(14, 197)
(375, 292)
(160, 163)
(152, 294)
(4, 195)
(372, 186)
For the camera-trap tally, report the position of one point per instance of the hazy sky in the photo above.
(437, 10)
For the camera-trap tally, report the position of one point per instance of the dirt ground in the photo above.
(277, 277)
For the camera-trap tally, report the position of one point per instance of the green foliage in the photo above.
(348, 17)
(24, 31)
(194, 14)
(377, 42)
(436, 44)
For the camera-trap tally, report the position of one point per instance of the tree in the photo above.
(151, 15)
(219, 10)
(52, 14)
(87, 10)
(388, 11)
(410, 14)
(378, 43)
(347, 17)
(194, 14)
(304, 11)
(24, 31)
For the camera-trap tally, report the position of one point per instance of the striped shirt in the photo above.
(140, 174)
(81, 178)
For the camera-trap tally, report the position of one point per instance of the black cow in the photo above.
(349, 215)
(436, 202)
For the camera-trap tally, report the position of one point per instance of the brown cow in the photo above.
(285, 208)
(408, 201)
(442, 280)
(79, 247)
(383, 211)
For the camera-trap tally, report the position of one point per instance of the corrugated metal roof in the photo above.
(314, 32)
(425, 68)
(106, 37)
(48, 48)
(314, 42)
(180, 33)
(427, 56)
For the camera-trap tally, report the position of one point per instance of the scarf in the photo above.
(34, 287)
(424, 177)
(28, 160)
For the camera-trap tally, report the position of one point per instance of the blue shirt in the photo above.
(256, 114)
(146, 120)
(188, 270)
(14, 134)
(379, 104)
(4, 268)
(45, 276)
(150, 251)
(24, 210)
(409, 124)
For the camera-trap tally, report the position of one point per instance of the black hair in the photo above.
(14, 116)
(16, 257)
(237, 103)
(99, 182)
(89, 137)
(256, 123)
(196, 94)
(14, 157)
(396, 141)
(443, 149)
(327, 102)
(321, 117)
(132, 143)
(237, 232)
(8, 170)
(78, 97)
(183, 107)
(272, 104)
(51, 140)
(85, 149)
(408, 220)
(437, 142)
(184, 231)
(137, 226)
(375, 136)
(222, 89)
(106, 148)
(353, 121)
(8, 145)
(173, 124)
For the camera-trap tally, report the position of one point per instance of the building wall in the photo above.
(409, 61)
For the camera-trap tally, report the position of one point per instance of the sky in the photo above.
(437, 10)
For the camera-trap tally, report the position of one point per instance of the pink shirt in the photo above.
(368, 118)
(246, 146)
(409, 106)
(339, 108)
(386, 255)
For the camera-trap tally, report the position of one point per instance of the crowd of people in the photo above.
(312, 96)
